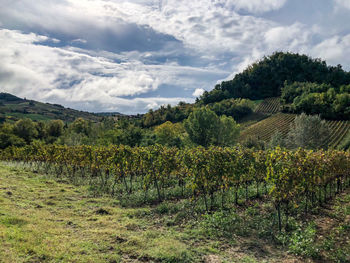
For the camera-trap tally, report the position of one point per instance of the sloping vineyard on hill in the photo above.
(339, 130)
(264, 129)
(269, 105)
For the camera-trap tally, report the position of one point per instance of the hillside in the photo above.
(266, 128)
(289, 82)
(265, 78)
(269, 106)
(14, 108)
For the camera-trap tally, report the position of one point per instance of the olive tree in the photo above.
(308, 131)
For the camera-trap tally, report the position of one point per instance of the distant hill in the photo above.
(14, 108)
(265, 78)
(109, 114)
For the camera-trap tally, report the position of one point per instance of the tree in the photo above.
(277, 139)
(202, 126)
(169, 133)
(205, 128)
(25, 129)
(312, 98)
(126, 133)
(81, 126)
(55, 128)
(8, 139)
(228, 131)
(308, 132)
(40, 127)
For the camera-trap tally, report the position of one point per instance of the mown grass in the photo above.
(42, 220)
(47, 220)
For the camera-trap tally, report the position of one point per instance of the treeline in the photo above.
(295, 181)
(236, 108)
(78, 132)
(25, 131)
(266, 77)
(167, 113)
(202, 127)
(331, 102)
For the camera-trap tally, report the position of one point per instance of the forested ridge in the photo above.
(265, 78)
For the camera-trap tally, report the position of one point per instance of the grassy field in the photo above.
(46, 220)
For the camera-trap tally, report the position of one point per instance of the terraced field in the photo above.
(269, 105)
(264, 129)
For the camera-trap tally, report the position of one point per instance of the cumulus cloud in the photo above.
(208, 26)
(334, 50)
(257, 6)
(65, 75)
(198, 92)
(292, 37)
(132, 55)
(204, 26)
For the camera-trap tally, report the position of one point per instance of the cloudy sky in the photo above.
(134, 55)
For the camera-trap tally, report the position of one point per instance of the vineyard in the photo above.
(264, 129)
(269, 106)
(281, 122)
(212, 178)
(339, 130)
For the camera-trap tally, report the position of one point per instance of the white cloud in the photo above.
(291, 37)
(334, 50)
(204, 26)
(257, 6)
(198, 92)
(343, 3)
(79, 40)
(201, 25)
(70, 77)
(198, 41)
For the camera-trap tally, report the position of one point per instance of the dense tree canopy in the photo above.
(265, 78)
(25, 129)
(202, 126)
(206, 128)
(167, 113)
(312, 98)
(236, 108)
(169, 133)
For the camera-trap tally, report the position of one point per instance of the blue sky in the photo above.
(131, 56)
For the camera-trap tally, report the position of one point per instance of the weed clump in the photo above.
(102, 211)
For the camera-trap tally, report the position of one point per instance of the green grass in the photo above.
(47, 220)
(32, 116)
(42, 220)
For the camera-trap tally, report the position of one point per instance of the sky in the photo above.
(130, 56)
